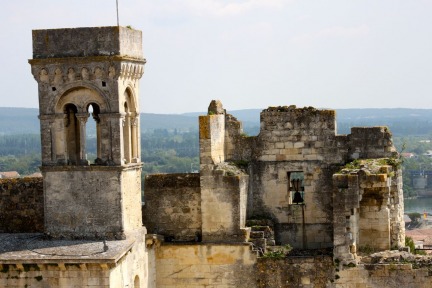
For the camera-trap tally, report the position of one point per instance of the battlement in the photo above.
(87, 42)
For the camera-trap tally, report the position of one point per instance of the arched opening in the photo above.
(136, 282)
(93, 139)
(72, 131)
(127, 134)
(131, 137)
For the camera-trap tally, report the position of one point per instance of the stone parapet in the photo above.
(173, 206)
(21, 205)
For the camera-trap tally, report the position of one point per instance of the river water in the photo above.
(418, 205)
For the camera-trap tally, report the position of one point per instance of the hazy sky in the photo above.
(247, 53)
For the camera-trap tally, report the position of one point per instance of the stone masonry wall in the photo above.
(173, 206)
(223, 207)
(291, 134)
(53, 275)
(370, 142)
(367, 210)
(384, 276)
(205, 265)
(290, 272)
(21, 205)
(272, 199)
(84, 202)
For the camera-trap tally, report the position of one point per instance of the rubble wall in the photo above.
(295, 272)
(384, 276)
(173, 206)
(370, 142)
(21, 205)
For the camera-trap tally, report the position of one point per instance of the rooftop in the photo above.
(36, 248)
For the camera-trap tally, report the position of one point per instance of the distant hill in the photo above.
(402, 121)
(19, 120)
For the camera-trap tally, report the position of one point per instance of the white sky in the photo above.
(247, 53)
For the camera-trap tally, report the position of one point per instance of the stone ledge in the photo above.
(32, 248)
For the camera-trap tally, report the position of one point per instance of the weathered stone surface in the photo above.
(205, 265)
(173, 206)
(295, 272)
(21, 205)
(87, 42)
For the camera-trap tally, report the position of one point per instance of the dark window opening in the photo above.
(54, 88)
(296, 187)
(72, 134)
(103, 84)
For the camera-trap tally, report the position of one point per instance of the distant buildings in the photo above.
(9, 174)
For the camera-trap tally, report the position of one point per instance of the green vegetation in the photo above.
(169, 152)
(415, 217)
(170, 142)
(279, 252)
(373, 165)
(366, 250)
(409, 242)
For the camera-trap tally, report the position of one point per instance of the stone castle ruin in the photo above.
(296, 154)
(296, 183)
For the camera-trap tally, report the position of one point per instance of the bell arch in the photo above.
(72, 134)
(77, 105)
(94, 126)
(130, 128)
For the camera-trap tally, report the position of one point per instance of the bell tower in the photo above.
(90, 75)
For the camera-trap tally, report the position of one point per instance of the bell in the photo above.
(297, 198)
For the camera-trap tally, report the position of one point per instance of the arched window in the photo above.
(72, 131)
(130, 129)
(137, 282)
(93, 137)
(127, 134)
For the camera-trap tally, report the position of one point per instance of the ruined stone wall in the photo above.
(370, 142)
(384, 276)
(295, 140)
(212, 136)
(239, 147)
(367, 210)
(223, 207)
(272, 199)
(397, 223)
(295, 272)
(374, 220)
(290, 134)
(205, 265)
(21, 205)
(173, 206)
